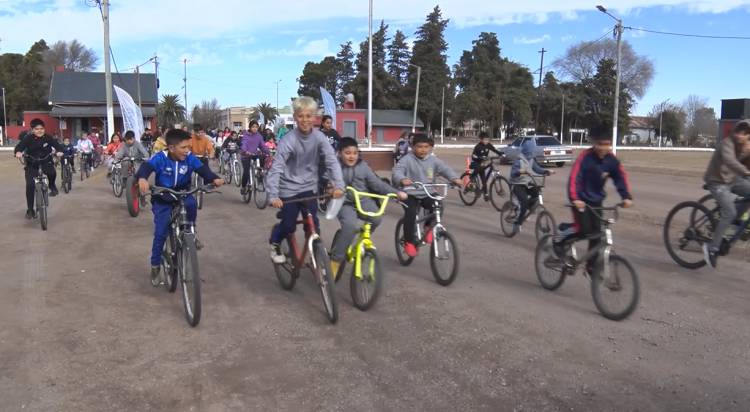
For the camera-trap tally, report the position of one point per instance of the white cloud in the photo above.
(567, 38)
(314, 48)
(531, 40)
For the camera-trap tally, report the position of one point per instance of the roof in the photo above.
(398, 118)
(88, 87)
(94, 111)
(641, 122)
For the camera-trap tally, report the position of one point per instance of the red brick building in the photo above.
(387, 125)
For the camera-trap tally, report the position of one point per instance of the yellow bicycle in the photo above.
(367, 276)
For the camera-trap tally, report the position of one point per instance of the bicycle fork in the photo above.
(606, 253)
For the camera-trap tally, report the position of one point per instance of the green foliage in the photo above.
(317, 75)
(344, 70)
(267, 110)
(599, 98)
(170, 111)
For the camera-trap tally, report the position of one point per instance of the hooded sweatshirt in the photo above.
(361, 177)
(295, 166)
(726, 163)
(421, 170)
(252, 143)
(526, 164)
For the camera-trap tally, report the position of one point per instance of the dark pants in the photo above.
(483, 172)
(527, 198)
(585, 223)
(289, 213)
(246, 163)
(410, 217)
(49, 169)
(162, 218)
(87, 160)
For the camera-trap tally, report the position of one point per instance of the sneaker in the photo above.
(198, 244)
(30, 214)
(243, 191)
(156, 278)
(486, 198)
(335, 267)
(410, 249)
(709, 255)
(428, 235)
(53, 192)
(516, 227)
(276, 256)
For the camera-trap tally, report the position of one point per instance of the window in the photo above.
(350, 128)
(517, 142)
(547, 141)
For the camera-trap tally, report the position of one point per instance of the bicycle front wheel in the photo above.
(508, 217)
(132, 197)
(616, 297)
(117, 187)
(322, 271)
(545, 224)
(549, 267)
(236, 174)
(688, 226)
(41, 207)
(260, 196)
(285, 272)
(499, 192)
(65, 176)
(366, 290)
(168, 264)
(470, 192)
(403, 258)
(444, 258)
(190, 279)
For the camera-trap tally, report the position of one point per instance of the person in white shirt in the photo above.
(86, 148)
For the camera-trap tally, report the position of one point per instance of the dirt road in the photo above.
(81, 328)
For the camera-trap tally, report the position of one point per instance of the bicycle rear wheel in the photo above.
(168, 264)
(549, 267)
(365, 291)
(545, 224)
(688, 226)
(470, 192)
(323, 276)
(285, 272)
(403, 258)
(260, 196)
(499, 192)
(508, 216)
(41, 207)
(190, 279)
(236, 174)
(617, 297)
(444, 258)
(117, 186)
(132, 197)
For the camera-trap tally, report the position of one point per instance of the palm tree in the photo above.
(170, 111)
(269, 112)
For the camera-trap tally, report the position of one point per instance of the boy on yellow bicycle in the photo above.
(357, 174)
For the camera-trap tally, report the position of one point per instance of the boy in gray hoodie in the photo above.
(294, 173)
(357, 174)
(419, 165)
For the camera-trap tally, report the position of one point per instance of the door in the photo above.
(380, 135)
(350, 128)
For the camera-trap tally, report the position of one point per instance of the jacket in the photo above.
(38, 147)
(424, 170)
(68, 150)
(173, 174)
(136, 150)
(333, 138)
(231, 145)
(112, 148)
(160, 144)
(589, 174)
(482, 151)
(296, 164)
(525, 165)
(726, 163)
(362, 178)
(201, 146)
(252, 143)
(85, 146)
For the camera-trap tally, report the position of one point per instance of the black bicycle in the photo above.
(86, 164)
(179, 258)
(260, 195)
(41, 187)
(66, 171)
(497, 186)
(615, 287)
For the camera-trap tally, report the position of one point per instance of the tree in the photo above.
(344, 70)
(599, 92)
(429, 52)
(671, 118)
(269, 112)
(11, 72)
(705, 124)
(699, 120)
(34, 82)
(170, 111)
(317, 75)
(581, 61)
(208, 114)
(398, 58)
(382, 83)
(73, 55)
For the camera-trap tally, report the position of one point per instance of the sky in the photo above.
(237, 50)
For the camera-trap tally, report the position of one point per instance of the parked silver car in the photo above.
(549, 150)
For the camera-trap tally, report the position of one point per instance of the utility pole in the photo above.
(619, 29)
(369, 80)
(184, 87)
(539, 90)
(5, 122)
(138, 80)
(109, 130)
(416, 98)
(277, 94)
(562, 120)
(156, 75)
(442, 117)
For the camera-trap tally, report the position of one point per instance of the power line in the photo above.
(700, 36)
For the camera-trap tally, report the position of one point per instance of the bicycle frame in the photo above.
(311, 235)
(604, 250)
(363, 242)
(437, 214)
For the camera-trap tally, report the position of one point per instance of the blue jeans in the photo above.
(162, 219)
(289, 213)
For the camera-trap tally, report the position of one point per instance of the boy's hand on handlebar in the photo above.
(218, 182)
(406, 182)
(402, 196)
(627, 203)
(579, 205)
(550, 172)
(277, 203)
(143, 185)
(338, 193)
(19, 155)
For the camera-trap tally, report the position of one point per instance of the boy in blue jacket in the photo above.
(174, 168)
(586, 187)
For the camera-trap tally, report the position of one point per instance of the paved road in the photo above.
(81, 328)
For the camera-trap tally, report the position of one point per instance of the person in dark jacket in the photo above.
(479, 160)
(326, 126)
(357, 174)
(586, 188)
(69, 152)
(39, 145)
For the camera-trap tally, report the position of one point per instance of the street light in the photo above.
(416, 98)
(277, 94)
(618, 29)
(4, 137)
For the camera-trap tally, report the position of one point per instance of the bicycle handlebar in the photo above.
(183, 193)
(357, 194)
(425, 187)
(596, 210)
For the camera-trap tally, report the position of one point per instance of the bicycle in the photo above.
(179, 258)
(545, 222)
(319, 262)
(251, 187)
(66, 171)
(41, 188)
(362, 254)
(116, 179)
(260, 196)
(443, 246)
(86, 164)
(685, 233)
(609, 275)
(198, 182)
(498, 187)
(133, 198)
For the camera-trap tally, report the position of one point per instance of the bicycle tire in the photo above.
(88, 172)
(65, 172)
(169, 264)
(41, 208)
(366, 291)
(403, 258)
(693, 233)
(199, 200)
(545, 224)
(132, 197)
(236, 174)
(285, 272)
(470, 193)
(508, 215)
(117, 186)
(499, 192)
(190, 279)
(542, 255)
(325, 282)
(440, 278)
(260, 196)
(617, 279)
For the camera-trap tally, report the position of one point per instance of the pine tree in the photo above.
(344, 70)
(398, 58)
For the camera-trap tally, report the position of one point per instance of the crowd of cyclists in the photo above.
(302, 156)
